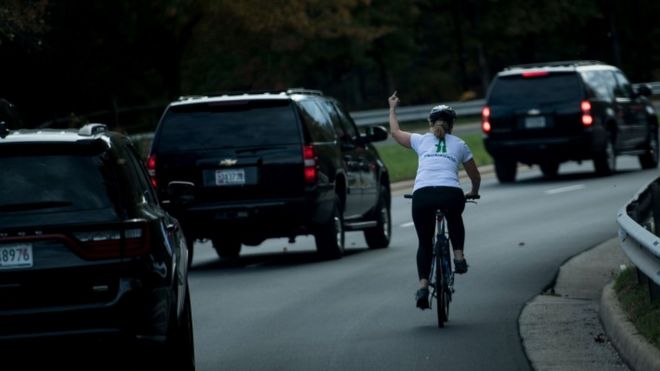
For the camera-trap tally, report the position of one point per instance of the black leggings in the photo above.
(426, 201)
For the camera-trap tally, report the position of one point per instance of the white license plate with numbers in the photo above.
(230, 177)
(17, 255)
(535, 122)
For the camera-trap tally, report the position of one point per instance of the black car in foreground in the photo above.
(548, 113)
(87, 254)
(278, 164)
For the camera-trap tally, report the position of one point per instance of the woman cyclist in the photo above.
(437, 186)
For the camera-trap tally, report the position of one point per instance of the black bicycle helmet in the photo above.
(444, 113)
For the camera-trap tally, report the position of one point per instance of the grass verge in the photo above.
(643, 312)
(402, 162)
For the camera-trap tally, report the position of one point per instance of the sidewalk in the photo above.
(578, 324)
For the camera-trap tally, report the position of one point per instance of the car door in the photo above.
(367, 161)
(632, 112)
(350, 161)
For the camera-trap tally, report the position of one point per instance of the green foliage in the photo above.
(640, 309)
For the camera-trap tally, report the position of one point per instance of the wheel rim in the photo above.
(654, 148)
(385, 217)
(611, 159)
(339, 234)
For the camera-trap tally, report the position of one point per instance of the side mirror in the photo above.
(643, 89)
(375, 134)
(181, 193)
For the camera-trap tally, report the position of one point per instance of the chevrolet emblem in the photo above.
(228, 162)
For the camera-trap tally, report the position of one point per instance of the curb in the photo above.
(636, 351)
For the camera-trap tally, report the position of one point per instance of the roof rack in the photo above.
(303, 91)
(92, 129)
(248, 92)
(574, 63)
(189, 97)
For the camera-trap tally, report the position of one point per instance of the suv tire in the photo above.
(649, 160)
(227, 247)
(180, 340)
(505, 170)
(379, 236)
(605, 160)
(190, 243)
(330, 235)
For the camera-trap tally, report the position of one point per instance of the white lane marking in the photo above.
(576, 187)
(406, 225)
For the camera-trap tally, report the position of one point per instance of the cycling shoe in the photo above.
(422, 298)
(460, 266)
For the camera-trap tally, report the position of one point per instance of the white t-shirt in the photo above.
(438, 162)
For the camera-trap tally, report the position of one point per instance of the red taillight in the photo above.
(151, 168)
(485, 119)
(309, 158)
(128, 239)
(530, 74)
(585, 107)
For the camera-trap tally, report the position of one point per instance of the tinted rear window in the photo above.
(45, 183)
(228, 124)
(553, 88)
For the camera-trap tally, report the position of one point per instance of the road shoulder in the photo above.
(561, 329)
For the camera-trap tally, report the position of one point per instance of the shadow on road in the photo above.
(270, 260)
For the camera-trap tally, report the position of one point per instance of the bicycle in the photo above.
(441, 279)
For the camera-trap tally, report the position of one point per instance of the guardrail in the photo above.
(639, 225)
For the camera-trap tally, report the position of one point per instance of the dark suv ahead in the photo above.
(264, 165)
(549, 113)
(87, 253)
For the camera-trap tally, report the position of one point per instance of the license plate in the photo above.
(17, 255)
(535, 122)
(230, 177)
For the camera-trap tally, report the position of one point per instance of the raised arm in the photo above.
(400, 136)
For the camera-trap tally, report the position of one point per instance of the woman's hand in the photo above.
(400, 136)
(393, 101)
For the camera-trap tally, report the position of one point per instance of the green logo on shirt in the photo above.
(441, 147)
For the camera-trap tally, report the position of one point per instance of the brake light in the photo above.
(128, 239)
(151, 168)
(532, 74)
(309, 158)
(485, 119)
(587, 119)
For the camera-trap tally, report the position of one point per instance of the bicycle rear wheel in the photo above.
(442, 292)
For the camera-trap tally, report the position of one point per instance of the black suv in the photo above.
(549, 113)
(263, 165)
(86, 251)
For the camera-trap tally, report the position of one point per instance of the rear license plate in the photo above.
(535, 122)
(17, 255)
(230, 177)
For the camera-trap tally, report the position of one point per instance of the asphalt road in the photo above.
(279, 308)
